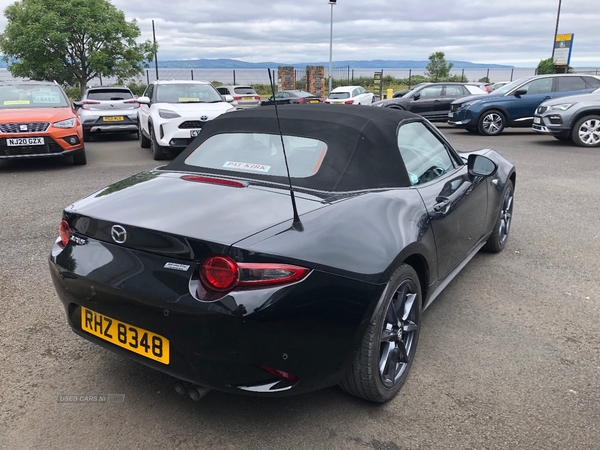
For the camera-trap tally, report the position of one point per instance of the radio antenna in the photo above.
(296, 224)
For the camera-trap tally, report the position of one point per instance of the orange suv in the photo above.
(38, 121)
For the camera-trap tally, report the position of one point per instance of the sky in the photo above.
(515, 32)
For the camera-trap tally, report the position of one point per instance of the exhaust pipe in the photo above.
(194, 391)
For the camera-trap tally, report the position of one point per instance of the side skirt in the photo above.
(440, 287)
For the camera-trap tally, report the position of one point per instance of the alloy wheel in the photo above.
(492, 123)
(505, 216)
(398, 335)
(589, 132)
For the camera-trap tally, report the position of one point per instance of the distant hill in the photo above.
(362, 64)
(354, 64)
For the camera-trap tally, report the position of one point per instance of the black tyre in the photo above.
(144, 141)
(80, 159)
(491, 123)
(87, 137)
(499, 236)
(586, 132)
(157, 152)
(388, 347)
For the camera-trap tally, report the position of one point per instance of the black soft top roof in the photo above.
(362, 143)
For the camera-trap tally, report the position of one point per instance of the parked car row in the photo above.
(515, 104)
(38, 120)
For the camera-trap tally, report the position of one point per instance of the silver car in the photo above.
(243, 96)
(108, 109)
(576, 117)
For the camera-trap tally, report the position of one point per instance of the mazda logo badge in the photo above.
(118, 234)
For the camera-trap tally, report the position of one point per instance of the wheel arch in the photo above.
(594, 111)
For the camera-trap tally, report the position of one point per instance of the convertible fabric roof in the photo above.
(362, 143)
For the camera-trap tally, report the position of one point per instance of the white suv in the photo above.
(172, 113)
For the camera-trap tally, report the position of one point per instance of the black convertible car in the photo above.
(204, 269)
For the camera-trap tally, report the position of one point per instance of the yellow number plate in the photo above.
(247, 98)
(137, 340)
(313, 101)
(112, 119)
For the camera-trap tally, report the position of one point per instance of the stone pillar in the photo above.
(286, 77)
(315, 80)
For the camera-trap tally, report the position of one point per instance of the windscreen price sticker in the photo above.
(246, 166)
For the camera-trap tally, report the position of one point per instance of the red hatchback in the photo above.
(38, 121)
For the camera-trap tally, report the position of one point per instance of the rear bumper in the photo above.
(99, 125)
(308, 329)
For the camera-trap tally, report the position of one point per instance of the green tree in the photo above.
(438, 69)
(547, 66)
(72, 41)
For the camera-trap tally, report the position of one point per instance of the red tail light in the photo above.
(237, 97)
(85, 104)
(64, 230)
(303, 100)
(326, 101)
(221, 273)
(212, 180)
(349, 102)
(280, 374)
(257, 97)
(134, 102)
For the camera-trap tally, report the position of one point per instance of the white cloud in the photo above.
(286, 31)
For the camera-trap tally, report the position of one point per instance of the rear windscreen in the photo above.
(259, 154)
(335, 95)
(244, 91)
(109, 95)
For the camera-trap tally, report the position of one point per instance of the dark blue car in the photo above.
(514, 104)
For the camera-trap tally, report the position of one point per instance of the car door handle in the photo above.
(442, 204)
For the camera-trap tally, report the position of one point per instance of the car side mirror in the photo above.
(416, 96)
(77, 104)
(143, 100)
(228, 98)
(520, 92)
(481, 166)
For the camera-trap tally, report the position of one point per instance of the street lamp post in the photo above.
(331, 2)
(556, 29)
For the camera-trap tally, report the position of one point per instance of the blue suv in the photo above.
(514, 104)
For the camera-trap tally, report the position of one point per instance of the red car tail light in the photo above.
(237, 97)
(134, 102)
(221, 181)
(257, 97)
(64, 230)
(303, 100)
(85, 104)
(221, 273)
(280, 374)
(349, 102)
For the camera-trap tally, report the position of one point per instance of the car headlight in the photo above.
(562, 106)
(69, 123)
(168, 114)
